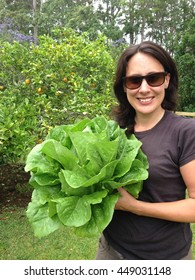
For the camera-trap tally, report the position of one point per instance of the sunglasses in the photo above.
(153, 80)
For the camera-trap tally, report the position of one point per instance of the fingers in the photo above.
(121, 190)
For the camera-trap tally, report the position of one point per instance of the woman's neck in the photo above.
(145, 122)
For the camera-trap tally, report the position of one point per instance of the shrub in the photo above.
(66, 77)
(18, 127)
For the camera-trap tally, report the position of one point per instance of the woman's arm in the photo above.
(178, 211)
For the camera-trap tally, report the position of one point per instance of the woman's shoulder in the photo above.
(183, 134)
(180, 122)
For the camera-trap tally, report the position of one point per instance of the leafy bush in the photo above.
(64, 78)
(18, 127)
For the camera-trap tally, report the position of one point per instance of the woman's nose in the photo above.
(144, 87)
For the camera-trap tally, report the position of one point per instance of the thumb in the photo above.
(122, 191)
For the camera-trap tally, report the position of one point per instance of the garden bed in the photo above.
(13, 182)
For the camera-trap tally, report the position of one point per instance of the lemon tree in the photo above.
(65, 78)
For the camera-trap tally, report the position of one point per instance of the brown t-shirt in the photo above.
(168, 145)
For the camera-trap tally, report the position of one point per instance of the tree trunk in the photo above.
(35, 35)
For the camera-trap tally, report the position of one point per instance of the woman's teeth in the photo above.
(145, 100)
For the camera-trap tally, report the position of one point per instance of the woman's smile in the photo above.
(145, 100)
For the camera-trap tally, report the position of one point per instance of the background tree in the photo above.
(110, 13)
(132, 20)
(36, 15)
(78, 15)
(185, 57)
(168, 21)
(20, 19)
(135, 20)
(19, 12)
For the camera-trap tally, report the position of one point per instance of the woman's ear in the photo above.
(167, 79)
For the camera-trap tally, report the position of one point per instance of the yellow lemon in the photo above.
(27, 81)
(65, 79)
(40, 91)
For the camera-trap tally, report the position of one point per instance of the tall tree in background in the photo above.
(78, 15)
(34, 8)
(160, 21)
(36, 16)
(21, 17)
(19, 12)
(169, 19)
(132, 20)
(136, 20)
(110, 13)
(185, 58)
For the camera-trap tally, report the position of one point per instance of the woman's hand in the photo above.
(126, 202)
(182, 211)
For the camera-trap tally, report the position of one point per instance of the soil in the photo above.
(13, 190)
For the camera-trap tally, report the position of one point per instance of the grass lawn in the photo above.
(17, 241)
(193, 241)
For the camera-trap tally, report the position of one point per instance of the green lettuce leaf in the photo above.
(75, 174)
(101, 216)
(43, 223)
(76, 211)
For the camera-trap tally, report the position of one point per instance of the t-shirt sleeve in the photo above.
(186, 142)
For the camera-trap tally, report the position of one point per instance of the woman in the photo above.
(157, 224)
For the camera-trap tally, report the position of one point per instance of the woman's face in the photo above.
(145, 99)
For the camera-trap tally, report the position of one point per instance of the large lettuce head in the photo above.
(75, 174)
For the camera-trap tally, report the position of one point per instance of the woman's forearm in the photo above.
(178, 211)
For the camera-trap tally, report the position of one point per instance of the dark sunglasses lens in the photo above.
(155, 80)
(133, 82)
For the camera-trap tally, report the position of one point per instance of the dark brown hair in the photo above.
(124, 113)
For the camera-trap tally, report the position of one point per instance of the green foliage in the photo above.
(64, 78)
(78, 15)
(163, 22)
(18, 126)
(20, 14)
(185, 58)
